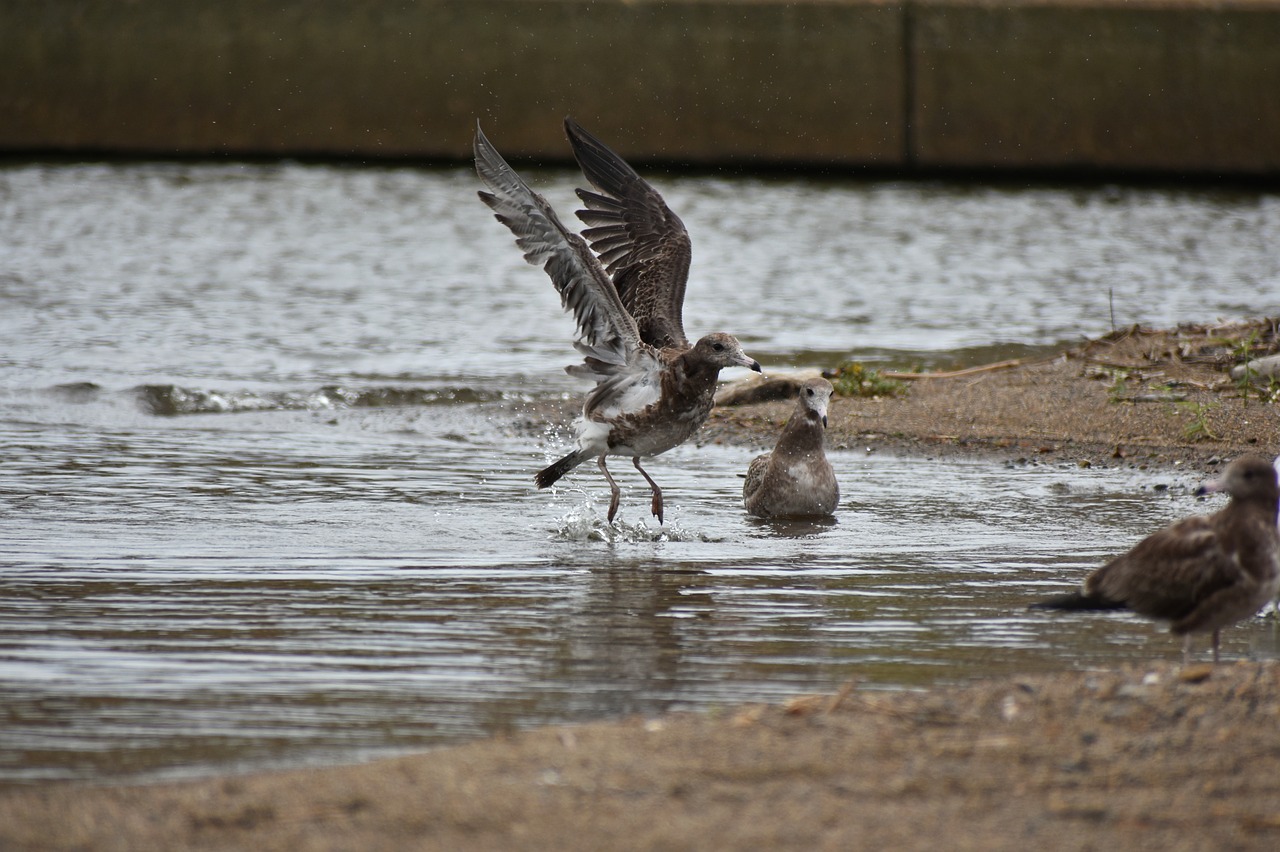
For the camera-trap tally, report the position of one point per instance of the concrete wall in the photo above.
(1157, 85)
(1178, 85)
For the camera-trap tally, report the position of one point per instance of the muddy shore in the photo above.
(1149, 755)
(1141, 397)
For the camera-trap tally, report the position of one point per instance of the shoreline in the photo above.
(1151, 756)
(1149, 753)
(1140, 397)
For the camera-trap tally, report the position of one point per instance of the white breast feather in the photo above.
(802, 473)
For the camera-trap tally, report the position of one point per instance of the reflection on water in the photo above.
(265, 501)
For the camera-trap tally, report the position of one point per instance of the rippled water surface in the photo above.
(267, 500)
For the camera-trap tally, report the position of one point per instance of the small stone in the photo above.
(1195, 674)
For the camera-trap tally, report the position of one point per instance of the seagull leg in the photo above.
(615, 494)
(1186, 649)
(656, 505)
(1215, 646)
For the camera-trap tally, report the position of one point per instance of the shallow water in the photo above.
(266, 503)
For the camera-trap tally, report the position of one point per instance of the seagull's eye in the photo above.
(809, 391)
(719, 347)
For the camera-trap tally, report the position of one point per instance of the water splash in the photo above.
(585, 523)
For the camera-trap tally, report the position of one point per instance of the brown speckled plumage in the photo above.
(1203, 573)
(653, 390)
(796, 480)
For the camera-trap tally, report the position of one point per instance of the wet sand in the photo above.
(1150, 755)
(1144, 757)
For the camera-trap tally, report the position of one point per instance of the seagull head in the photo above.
(815, 394)
(724, 350)
(1245, 478)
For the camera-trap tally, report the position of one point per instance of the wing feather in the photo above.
(603, 322)
(1166, 573)
(643, 245)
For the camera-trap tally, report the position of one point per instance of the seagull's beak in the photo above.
(742, 359)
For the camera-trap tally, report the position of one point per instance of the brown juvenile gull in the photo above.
(1203, 573)
(796, 479)
(653, 390)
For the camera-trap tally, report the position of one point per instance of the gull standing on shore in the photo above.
(1203, 573)
(653, 389)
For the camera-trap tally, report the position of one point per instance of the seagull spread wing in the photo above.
(608, 335)
(642, 244)
(625, 369)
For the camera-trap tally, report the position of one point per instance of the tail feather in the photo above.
(549, 475)
(1077, 601)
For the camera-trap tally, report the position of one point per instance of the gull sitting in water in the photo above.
(796, 479)
(653, 389)
(1203, 573)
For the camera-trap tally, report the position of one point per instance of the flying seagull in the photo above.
(796, 479)
(1203, 573)
(625, 291)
